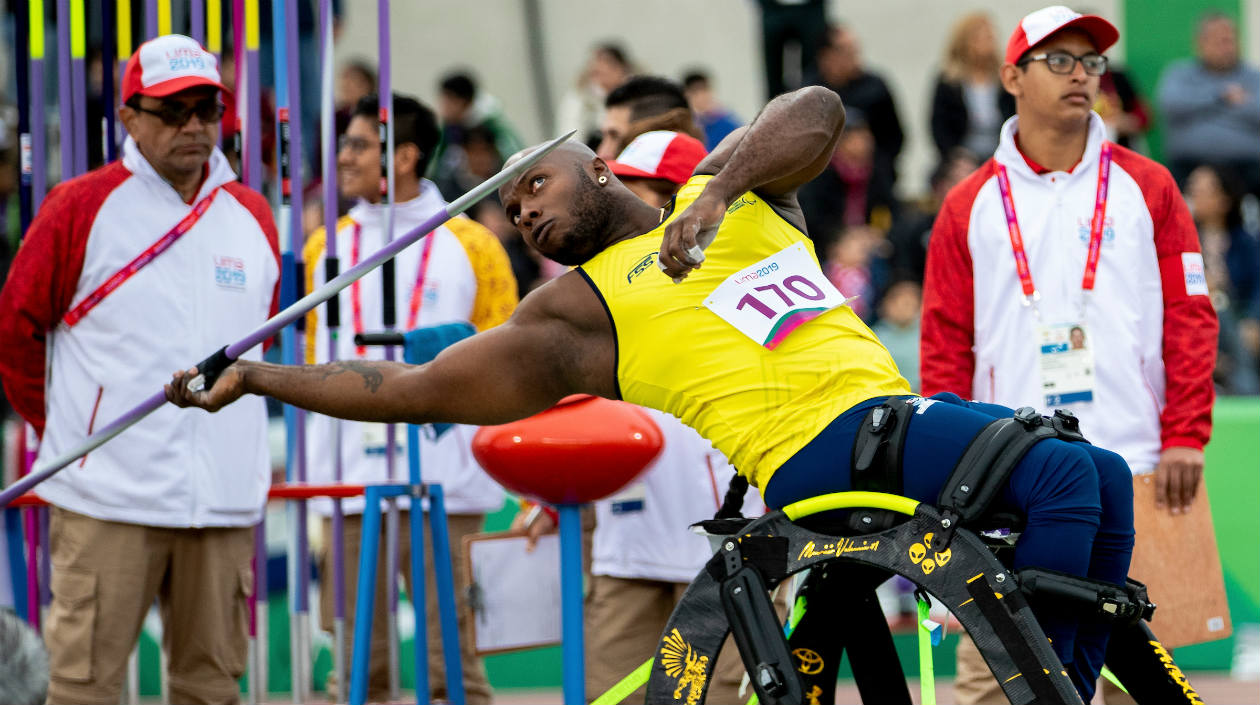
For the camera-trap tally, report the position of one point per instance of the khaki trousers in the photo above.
(975, 684)
(476, 684)
(105, 576)
(624, 621)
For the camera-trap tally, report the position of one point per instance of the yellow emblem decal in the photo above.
(682, 662)
(811, 698)
(808, 661)
(918, 555)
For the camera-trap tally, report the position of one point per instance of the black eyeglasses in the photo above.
(355, 144)
(1061, 62)
(178, 114)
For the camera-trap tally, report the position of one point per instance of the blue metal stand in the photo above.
(445, 579)
(571, 603)
(17, 564)
(444, 576)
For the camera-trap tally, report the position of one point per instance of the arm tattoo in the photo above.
(372, 377)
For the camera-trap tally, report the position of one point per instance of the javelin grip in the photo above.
(378, 339)
(209, 369)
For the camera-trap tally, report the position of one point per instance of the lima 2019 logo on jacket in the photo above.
(229, 272)
(1109, 231)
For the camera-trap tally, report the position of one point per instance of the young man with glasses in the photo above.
(126, 270)
(1063, 231)
(458, 272)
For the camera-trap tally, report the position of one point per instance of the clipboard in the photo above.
(515, 595)
(1176, 557)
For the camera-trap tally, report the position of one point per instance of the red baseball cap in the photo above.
(659, 154)
(169, 64)
(1039, 26)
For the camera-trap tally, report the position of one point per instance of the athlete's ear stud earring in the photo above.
(603, 180)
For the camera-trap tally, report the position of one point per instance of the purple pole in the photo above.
(285, 317)
(39, 156)
(32, 534)
(385, 98)
(78, 78)
(296, 239)
(241, 85)
(65, 96)
(197, 20)
(150, 19)
(253, 132)
(109, 59)
(328, 134)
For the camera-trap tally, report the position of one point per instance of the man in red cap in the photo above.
(1063, 235)
(126, 270)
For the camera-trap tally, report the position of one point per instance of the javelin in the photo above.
(225, 356)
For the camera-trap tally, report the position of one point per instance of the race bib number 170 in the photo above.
(772, 298)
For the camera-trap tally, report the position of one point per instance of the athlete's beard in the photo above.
(593, 216)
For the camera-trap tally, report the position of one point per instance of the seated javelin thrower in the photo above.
(754, 349)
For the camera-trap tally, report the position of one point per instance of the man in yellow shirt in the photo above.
(748, 344)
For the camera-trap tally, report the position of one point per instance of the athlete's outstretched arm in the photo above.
(788, 144)
(509, 372)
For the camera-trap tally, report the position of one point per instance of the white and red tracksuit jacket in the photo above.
(215, 284)
(1152, 325)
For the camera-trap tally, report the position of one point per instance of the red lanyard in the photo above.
(76, 314)
(1095, 227)
(417, 292)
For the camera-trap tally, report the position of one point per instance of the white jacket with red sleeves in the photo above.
(216, 283)
(1152, 327)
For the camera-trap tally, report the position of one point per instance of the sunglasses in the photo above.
(1061, 62)
(178, 114)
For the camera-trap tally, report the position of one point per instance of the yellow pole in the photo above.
(214, 26)
(124, 29)
(251, 25)
(164, 17)
(78, 36)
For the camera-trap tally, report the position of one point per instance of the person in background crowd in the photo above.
(1211, 106)
(472, 123)
(1230, 256)
(643, 104)
(459, 272)
(848, 265)
(968, 104)
(848, 192)
(582, 108)
(898, 327)
(1122, 109)
(1008, 274)
(797, 23)
(356, 81)
(85, 328)
(911, 232)
(840, 69)
(23, 662)
(715, 119)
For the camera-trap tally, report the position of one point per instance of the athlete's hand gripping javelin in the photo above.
(688, 235)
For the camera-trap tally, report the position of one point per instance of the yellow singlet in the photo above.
(758, 406)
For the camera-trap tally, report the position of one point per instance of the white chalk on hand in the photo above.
(696, 254)
(661, 266)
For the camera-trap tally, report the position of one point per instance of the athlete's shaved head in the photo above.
(565, 205)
